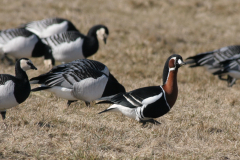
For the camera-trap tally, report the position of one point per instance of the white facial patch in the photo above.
(101, 33)
(180, 62)
(24, 65)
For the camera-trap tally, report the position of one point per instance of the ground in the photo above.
(204, 122)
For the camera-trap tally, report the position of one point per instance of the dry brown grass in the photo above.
(204, 123)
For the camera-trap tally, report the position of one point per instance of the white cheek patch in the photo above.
(100, 33)
(24, 65)
(180, 62)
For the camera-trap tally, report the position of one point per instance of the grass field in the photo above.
(203, 124)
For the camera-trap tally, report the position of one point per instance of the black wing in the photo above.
(134, 98)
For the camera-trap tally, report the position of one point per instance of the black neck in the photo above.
(20, 74)
(90, 45)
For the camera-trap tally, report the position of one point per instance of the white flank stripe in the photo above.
(135, 99)
(130, 101)
(165, 98)
(151, 100)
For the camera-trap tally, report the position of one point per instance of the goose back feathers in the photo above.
(19, 42)
(84, 79)
(47, 27)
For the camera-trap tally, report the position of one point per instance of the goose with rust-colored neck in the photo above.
(145, 104)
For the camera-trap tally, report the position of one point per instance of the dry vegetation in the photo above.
(203, 124)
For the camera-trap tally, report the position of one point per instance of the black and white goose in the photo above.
(230, 67)
(84, 79)
(145, 104)
(48, 27)
(19, 42)
(15, 90)
(211, 60)
(72, 45)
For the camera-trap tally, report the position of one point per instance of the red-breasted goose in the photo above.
(145, 104)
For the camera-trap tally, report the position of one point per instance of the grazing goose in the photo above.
(211, 60)
(72, 45)
(15, 90)
(19, 42)
(48, 27)
(83, 79)
(145, 104)
(230, 67)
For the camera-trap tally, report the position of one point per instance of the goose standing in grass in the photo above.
(48, 27)
(19, 42)
(15, 90)
(72, 45)
(145, 104)
(84, 79)
(211, 60)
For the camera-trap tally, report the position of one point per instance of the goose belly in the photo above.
(129, 112)
(7, 98)
(67, 52)
(234, 74)
(20, 47)
(90, 89)
(62, 92)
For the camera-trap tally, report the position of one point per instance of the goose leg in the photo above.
(69, 103)
(3, 113)
(87, 104)
(150, 121)
(10, 61)
(220, 77)
(231, 81)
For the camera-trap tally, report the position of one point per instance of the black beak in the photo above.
(33, 67)
(105, 40)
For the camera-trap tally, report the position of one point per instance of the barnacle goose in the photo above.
(72, 45)
(145, 104)
(15, 90)
(50, 26)
(84, 79)
(211, 60)
(19, 42)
